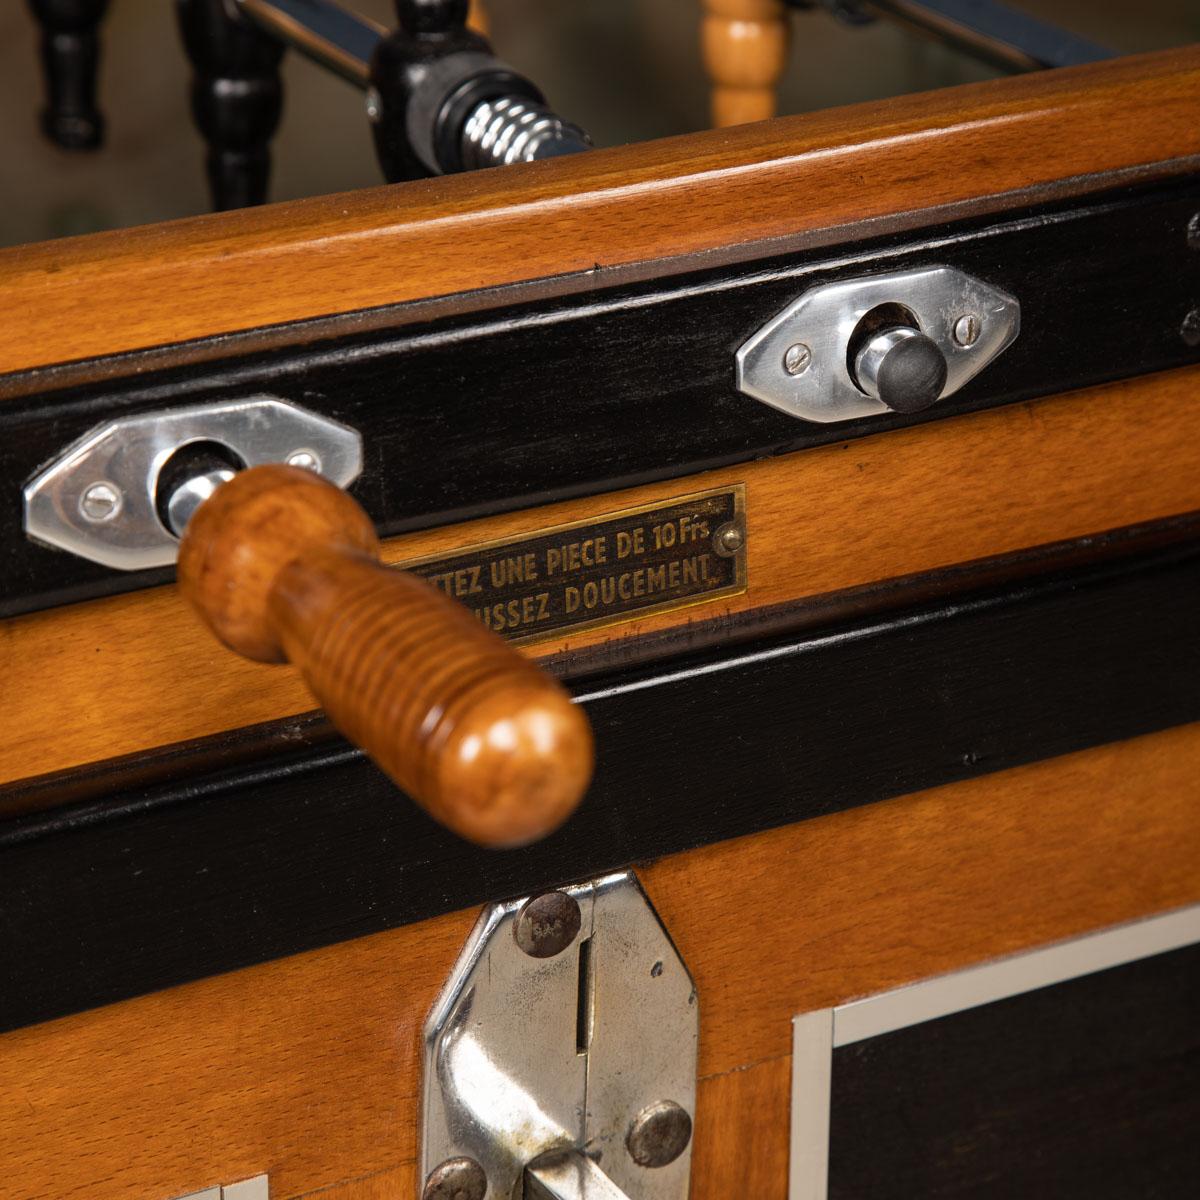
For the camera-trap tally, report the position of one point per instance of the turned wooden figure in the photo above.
(745, 45)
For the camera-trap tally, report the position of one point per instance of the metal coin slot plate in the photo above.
(128, 454)
(823, 320)
(525, 1056)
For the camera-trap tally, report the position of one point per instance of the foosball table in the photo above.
(610, 674)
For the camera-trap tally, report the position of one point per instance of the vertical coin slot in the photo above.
(583, 998)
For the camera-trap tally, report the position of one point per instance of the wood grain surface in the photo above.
(890, 164)
(283, 565)
(307, 1067)
(819, 522)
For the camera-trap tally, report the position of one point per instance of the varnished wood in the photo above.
(910, 501)
(741, 1140)
(308, 1067)
(284, 567)
(745, 44)
(124, 888)
(648, 208)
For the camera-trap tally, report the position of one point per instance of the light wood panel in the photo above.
(716, 193)
(399, 1183)
(819, 522)
(741, 1135)
(307, 1067)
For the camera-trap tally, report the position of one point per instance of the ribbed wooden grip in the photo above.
(282, 565)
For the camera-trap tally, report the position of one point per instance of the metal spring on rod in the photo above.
(511, 129)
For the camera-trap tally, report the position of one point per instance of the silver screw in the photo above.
(728, 540)
(966, 329)
(100, 502)
(797, 358)
(1190, 329)
(659, 1134)
(305, 459)
(456, 1179)
(374, 105)
(547, 925)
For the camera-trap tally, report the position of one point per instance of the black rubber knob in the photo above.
(902, 368)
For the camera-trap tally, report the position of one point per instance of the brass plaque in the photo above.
(682, 551)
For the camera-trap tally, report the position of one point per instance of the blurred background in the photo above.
(627, 70)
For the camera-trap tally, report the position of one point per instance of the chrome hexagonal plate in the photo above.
(98, 498)
(817, 329)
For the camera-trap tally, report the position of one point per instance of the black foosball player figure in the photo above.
(438, 99)
(70, 57)
(237, 98)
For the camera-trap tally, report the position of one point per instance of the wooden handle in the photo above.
(283, 566)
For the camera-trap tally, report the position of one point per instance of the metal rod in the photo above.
(321, 30)
(993, 32)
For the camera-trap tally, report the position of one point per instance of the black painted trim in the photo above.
(157, 886)
(521, 404)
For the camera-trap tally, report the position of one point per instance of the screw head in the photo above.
(100, 502)
(374, 105)
(967, 329)
(797, 359)
(1190, 329)
(456, 1179)
(547, 925)
(659, 1134)
(307, 460)
(728, 540)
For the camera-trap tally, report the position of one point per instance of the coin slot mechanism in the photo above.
(560, 1057)
(583, 998)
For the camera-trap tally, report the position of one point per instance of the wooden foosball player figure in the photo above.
(645, 673)
(745, 45)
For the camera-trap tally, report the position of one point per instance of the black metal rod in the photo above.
(993, 32)
(326, 32)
